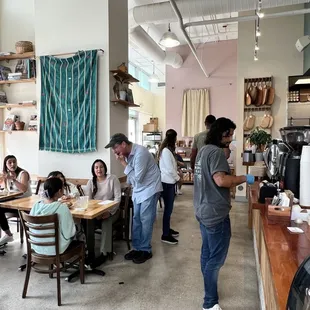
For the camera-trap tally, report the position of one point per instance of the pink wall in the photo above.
(220, 60)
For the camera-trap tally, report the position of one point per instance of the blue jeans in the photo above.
(215, 244)
(168, 195)
(144, 214)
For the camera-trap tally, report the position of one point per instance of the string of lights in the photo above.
(258, 33)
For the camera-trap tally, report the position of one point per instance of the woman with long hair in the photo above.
(16, 179)
(70, 190)
(169, 178)
(104, 186)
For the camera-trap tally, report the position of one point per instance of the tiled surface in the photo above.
(170, 280)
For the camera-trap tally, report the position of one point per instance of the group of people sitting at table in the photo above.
(56, 190)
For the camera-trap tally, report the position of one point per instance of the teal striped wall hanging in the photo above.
(69, 103)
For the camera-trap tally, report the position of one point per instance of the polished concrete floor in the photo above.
(171, 280)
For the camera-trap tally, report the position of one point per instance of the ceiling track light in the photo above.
(259, 12)
(256, 47)
(258, 33)
(255, 57)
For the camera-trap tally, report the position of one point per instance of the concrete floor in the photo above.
(170, 280)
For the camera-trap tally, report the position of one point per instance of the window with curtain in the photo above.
(195, 108)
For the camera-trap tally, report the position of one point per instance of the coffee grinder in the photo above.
(294, 137)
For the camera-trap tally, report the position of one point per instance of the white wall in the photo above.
(151, 105)
(59, 27)
(278, 58)
(21, 144)
(86, 27)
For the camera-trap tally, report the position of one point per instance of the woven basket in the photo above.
(23, 47)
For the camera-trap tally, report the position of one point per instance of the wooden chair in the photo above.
(80, 189)
(42, 224)
(122, 225)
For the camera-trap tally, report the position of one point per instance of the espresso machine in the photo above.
(282, 157)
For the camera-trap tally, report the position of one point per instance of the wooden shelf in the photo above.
(125, 103)
(294, 103)
(261, 108)
(9, 106)
(18, 56)
(18, 81)
(10, 131)
(124, 76)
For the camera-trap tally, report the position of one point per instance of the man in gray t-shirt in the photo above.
(213, 205)
(200, 139)
(212, 181)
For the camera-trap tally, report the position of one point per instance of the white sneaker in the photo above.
(179, 192)
(6, 239)
(215, 307)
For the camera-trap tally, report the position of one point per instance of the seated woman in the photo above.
(70, 190)
(53, 190)
(104, 186)
(14, 179)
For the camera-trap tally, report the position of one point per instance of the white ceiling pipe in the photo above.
(139, 36)
(162, 13)
(246, 18)
(187, 38)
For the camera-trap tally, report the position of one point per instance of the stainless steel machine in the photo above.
(282, 157)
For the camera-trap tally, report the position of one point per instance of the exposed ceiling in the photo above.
(199, 34)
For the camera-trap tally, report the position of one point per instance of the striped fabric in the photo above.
(69, 103)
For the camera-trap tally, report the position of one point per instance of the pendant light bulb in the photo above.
(153, 78)
(169, 39)
(258, 33)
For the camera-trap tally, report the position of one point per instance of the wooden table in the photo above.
(25, 204)
(93, 211)
(10, 195)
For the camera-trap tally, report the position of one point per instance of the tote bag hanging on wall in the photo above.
(69, 103)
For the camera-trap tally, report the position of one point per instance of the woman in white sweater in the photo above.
(104, 186)
(169, 178)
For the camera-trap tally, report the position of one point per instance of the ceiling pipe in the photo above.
(187, 38)
(140, 37)
(245, 18)
(162, 13)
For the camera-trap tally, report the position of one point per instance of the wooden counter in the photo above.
(278, 255)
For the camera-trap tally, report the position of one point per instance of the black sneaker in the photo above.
(132, 254)
(174, 233)
(143, 257)
(169, 240)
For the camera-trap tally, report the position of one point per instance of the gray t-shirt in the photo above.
(200, 140)
(211, 202)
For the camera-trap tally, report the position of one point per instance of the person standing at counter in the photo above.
(144, 176)
(200, 138)
(212, 182)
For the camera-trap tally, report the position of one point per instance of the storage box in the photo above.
(278, 215)
(150, 127)
(304, 95)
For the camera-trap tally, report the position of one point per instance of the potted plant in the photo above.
(260, 138)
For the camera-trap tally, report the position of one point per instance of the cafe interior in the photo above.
(73, 73)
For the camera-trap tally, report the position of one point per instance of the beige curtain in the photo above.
(195, 108)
